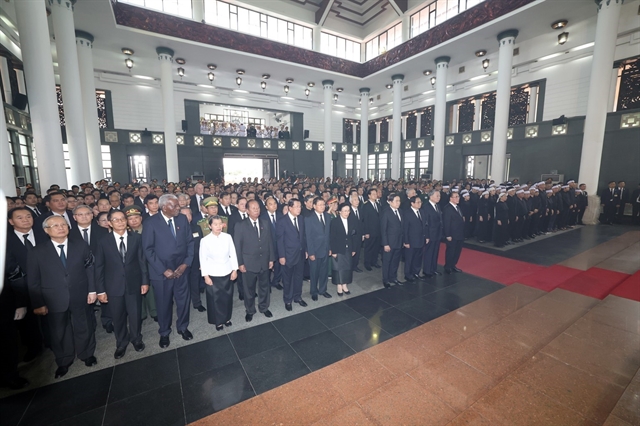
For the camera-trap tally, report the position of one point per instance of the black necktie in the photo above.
(173, 231)
(322, 221)
(397, 214)
(63, 258)
(255, 226)
(295, 223)
(123, 249)
(273, 220)
(437, 208)
(458, 210)
(27, 243)
(419, 216)
(375, 206)
(36, 211)
(85, 235)
(357, 215)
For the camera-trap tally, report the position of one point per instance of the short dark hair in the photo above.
(316, 200)
(292, 201)
(392, 196)
(112, 212)
(127, 195)
(414, 199)
(370, 190)
(150, 197)
(16, 209)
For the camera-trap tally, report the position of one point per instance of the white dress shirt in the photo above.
(345, 223)
(117, 237)
(30, 237)
(292, 217)
(217, 255)
(81, 229)
(66, 247)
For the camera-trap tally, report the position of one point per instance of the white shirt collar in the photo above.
(64, 243)
(30, 234)
(117, 236)
(166, 219)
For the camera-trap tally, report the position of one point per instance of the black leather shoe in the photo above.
(268, 314)
(186, 334)
(219, 327)
(18, 383)
(91, 361)
(357, 270)
(437, 273)
(139, 347)
(119, 353)
(61, 371)
(288, 307)
(109, 328)
(248, 317)
(398, 282)
(368, 268)
(200, 308)
(228, 324)
(314, 297)
(302, 303)
(386, 284)
(409, 279)
(341, 294)
(346, 292)
(279, 286)
(164, 342)
(454, 269)
(447, 271)
(327, 295)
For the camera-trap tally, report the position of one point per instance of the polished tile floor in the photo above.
(469, 332)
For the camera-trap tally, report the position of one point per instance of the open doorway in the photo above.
(139, 167)
(235, 169)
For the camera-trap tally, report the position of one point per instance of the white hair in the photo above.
(164, 199)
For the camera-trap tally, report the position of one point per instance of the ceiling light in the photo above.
(211, 76)
(212, 67)
(238, 81)
(389, 86)
(311, 84)
(263, 84)
(559, 24)
(339, 90)
(143, 77)
(286, 89)
(265, 76)
(553, 55)
(485, 64)
(181, 61)
(433, 82)
(240, 91)
(479, 77)
(287, 98)
(307, 92)
(204, 85)
(563, 38)
(289, 80)
(240, 72)
(335, 98)
(427, 92)
(372, 108)
(129, 63)
(481, 53)
(427, 72)
(127, 51)
(181, 72)
(583, 46)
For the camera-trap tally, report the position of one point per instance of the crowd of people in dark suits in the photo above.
(136, 249)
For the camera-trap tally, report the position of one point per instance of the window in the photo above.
(436, 12)
(340, 47)
(236, 116)
(214, 117)
(101, 105)
(172, 7)
(383, 165)
(106, 161)
(410, 164)
(627, 86)
(384, 42)
(67, 161)
(247, 21)
(423, 20)
(424, 161)
(257, 121)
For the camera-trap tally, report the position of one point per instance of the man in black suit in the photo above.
(453, 229)
(196, 202)
(196, 281)
(236, 217)
(609, 202)
(273, 216)
(371, 222)
(142, 194)
(58, 206)
(168, 246)
(31, 202)
(635, 204)
(121, 280)
(433, 215)
(356, 213)
(226, 209)
(254, 247)
(391, 236)
(292, 249)
(623, 198)
(62, 287)
(415, 237)
(317, 233)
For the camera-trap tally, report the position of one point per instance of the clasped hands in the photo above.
(172, 275)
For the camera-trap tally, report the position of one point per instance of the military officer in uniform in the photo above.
(211, 206)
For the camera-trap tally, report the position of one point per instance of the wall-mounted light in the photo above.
(240, 72)
(339, 89)
(181, 72)
(286, 89)
(181, 61)
(129, 63)
(238, 81)
(389, 86)
(307, 92)
(211, 76)
(370, 101)
(559, 24)
(433, 82)
(311, 84)
(335, 98)
(485, 64)
(127, 51)
(263, 84)
(563, 38)
(266, 76)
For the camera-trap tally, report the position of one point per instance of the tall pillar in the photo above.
(364, 131)
(506, 40)
(317, 37)
(328, 144)
(440, 116)
(165, 56)
(7, 180)
(6, 82)
(396, 139)
(477, 118)
(406, 27)
(31, 17)
(595, 121)
(198, 10)
(64, 30)
(533, 104)
(84, 44)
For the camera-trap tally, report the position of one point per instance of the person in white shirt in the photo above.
(219, 267)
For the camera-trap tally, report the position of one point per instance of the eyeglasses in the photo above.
(57, 225)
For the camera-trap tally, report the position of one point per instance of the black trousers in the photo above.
(219, 300)
(412, 261)
(166, 291)
(356, 257)
(126, 313)
(195, 283)
(292, 281)
(390, 264)
(371, 250)
(276, 274)
(430, 257)
(72, 332)
(9, 350)
(105, 315)
(319, 270)
(452, 254)
(260, 279)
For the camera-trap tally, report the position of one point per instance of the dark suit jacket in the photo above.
(140, 203)
(358, 224)
(453, 224)
(97, 233)
(292, 245)
(115, 277)
(623, 195)
(233, 220)
(391, 228)
(317, 235)
(370, 219)
(17, 253)
(253, 252)
(222, 213)
(339, 238)
(608, 198)
(434, 219)
(415, 231)
(161, 250)
(266, 216)
(195, 207)
(55, 287)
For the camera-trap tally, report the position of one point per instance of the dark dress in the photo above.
(342, 244)
(501, 232)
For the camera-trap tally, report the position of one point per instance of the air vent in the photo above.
(406, 88)
(516, 51)
(460, 70)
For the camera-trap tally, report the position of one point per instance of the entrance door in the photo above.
(479, 167)
(139, 167)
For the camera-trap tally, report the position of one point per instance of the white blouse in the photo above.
(217, 255)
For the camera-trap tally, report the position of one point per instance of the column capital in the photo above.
(599, 3)
(397, 77)
(65, 4)
(165, 53)
(443, 59)
(508, 34)
(84, 38)
(326, 83)
(364, 91)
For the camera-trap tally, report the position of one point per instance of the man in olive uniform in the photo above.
(134, 222)
(211, 206)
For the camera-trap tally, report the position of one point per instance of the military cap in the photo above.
(133, 210)
(210, 201)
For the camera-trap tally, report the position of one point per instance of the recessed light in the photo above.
(241, 72)
(553, 55)
(240, 91)
(289, 80)
(559, 24)
(265, 76)
(339, 89)
(427, 72)
(389, 86)
(481, 53)
(212, 67)
(311, 84)
(127, 51)
(181, 61)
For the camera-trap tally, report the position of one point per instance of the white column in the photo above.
(599, 86)
(7, 179)
(396, 139)
(21, 85)
(506, 40)
(477, 118)
(453, 127)
(378, 128)
(612, 90)
(317, 36)
(440, 116)
(64, 29)
(328, 143)
(418, 123)
(6, 82)
(406, 27)
(198, 10)
(165, 56)
(43, 105)
(364, 132)
(533, 104)
(84, 44)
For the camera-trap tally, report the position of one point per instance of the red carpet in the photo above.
(594, 282)
(549, 278)
(492, 267)
(629, 288)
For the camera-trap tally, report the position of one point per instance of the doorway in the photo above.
(139, 168)
(479, 167)
(241, 168)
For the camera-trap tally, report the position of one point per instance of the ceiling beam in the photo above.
(323, 12)
(400, 6)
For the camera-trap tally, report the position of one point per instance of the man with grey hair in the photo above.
(168, 245)
(196, 202)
